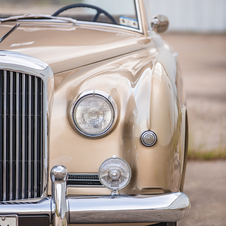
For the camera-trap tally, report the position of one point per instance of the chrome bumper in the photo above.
(64, 210)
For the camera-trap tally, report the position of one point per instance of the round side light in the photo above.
(148, 138)
(115, 173)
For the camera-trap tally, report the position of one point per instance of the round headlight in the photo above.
(114, 173)
(94, 113)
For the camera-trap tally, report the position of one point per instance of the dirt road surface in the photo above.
(203, 63)
(205, 186)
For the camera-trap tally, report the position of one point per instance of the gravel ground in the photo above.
(205, 186)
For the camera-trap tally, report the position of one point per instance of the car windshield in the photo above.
(118, 12)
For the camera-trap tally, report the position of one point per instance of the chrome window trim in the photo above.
(24, 64)
(103, 95)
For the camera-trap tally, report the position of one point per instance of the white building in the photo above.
(193, 15)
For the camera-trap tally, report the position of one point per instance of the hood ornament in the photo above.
(9, 32)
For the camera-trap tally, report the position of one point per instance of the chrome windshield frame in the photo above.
(77, 22)
(138, 13)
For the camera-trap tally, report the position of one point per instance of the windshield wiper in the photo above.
(9, 32)
(38, 16)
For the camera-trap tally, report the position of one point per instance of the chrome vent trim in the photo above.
(22, 136)
(84, 179)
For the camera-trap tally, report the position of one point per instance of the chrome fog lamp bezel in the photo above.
(103, 95)
(115, 191)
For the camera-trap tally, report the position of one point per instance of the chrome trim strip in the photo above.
(139, 16)
(110, 25)
(19, 62)
(46, 97)
(29, 145)
(23, 136)
(35, 139)
(11, 135)
(17, 134)
(4, 167)
(36, 16)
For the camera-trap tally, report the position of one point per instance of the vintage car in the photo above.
(93, 122)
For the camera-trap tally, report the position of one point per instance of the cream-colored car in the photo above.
(93, 126)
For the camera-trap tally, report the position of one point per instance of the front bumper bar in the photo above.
(101, 209)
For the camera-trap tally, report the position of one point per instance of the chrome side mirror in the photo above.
(160, 23)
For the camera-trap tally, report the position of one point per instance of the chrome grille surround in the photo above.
(23, 134)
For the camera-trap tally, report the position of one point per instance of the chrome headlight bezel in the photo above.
(102, 95)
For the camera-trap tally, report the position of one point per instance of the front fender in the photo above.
(147, 100)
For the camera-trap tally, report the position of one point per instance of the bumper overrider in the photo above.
(61, 210)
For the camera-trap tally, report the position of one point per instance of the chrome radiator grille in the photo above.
(21, 136)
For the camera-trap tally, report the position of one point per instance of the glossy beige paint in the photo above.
(143, 85)
(65, 46)
(141, 75)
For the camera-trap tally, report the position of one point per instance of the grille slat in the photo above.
(17, 136)
(21, 146)
(11, 135)
(36, 141)
(24, 136)
(1, 130)
(4, 155)
(29, 151)
(83, 179)
(41, 165)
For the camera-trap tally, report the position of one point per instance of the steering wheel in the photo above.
(81, 5)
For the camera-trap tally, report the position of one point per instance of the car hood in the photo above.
(64, 47)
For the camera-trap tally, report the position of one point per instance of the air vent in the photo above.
(84, 179)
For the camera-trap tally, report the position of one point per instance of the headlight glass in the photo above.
(94, 113)
(115, 173)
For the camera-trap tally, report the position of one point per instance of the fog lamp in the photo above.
(115, 173)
